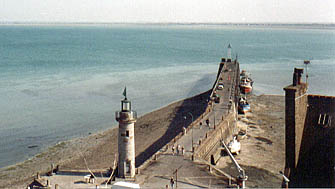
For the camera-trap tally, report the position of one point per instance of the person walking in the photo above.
(182, 150)
(208, 124)
(91, 179)
(173, 150)
(172, 182)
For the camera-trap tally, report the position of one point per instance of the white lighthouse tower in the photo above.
(229, 52)
(126, 138)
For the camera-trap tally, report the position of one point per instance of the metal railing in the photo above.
(125, 116)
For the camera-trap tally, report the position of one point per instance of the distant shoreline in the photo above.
(266, 25)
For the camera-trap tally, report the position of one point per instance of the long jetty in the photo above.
(198, 146)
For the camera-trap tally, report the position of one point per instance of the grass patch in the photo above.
(58, 145)
(10, 168)
(39, 156)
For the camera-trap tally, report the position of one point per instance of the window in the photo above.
(324, 120)
(125, 134)
(128, 166)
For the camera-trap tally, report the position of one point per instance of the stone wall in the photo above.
(209, 145)
(300, 116)
(208, 149)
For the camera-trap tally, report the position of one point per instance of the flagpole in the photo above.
(306, 62)
(125, 93)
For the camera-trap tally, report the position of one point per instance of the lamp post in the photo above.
(214, 116)
(306, 62)
(192, 127)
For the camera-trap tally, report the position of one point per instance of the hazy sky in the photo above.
(168, 10)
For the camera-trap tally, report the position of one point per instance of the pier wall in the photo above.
(208, 148)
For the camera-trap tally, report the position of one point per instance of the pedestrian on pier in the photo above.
(171, 182)
(173, 150)
(207, 121)
(178, 149)
(200, 124)
(91, 179)
(182, 150)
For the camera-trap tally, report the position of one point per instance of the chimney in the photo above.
(297, 76)
(295, 108)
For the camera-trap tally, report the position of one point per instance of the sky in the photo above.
(196, 11)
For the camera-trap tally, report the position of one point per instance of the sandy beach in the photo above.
(263, 147)
(154, 130)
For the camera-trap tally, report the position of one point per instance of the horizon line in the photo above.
(172, 23)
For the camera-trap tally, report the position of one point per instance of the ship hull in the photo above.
(245, 89)
(244, 108)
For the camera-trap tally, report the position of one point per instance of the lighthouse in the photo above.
(229, 52)
(126, 138)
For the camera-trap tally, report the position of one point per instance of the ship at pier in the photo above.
(245, 82)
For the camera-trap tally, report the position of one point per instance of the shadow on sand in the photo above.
(195, 105)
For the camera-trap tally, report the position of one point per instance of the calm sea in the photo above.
(60, 82)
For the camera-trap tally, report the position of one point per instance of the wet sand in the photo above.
(154, 130)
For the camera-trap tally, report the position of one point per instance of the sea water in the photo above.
(59, 82)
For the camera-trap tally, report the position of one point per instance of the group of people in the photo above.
(181, 149)
(207, 123)
(178, 150)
